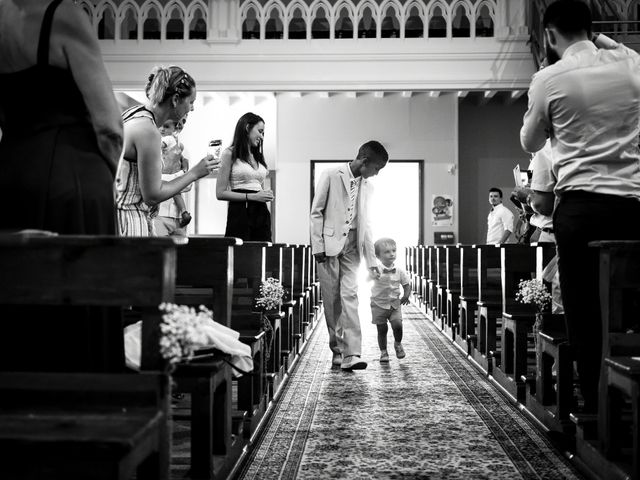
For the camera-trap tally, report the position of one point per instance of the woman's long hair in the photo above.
(240, 143)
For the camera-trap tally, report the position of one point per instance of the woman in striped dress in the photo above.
(139, 186)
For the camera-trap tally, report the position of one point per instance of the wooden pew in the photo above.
(410, 264)
(75, 425)
(549, 394)
(274, 368)
(431, 280)
(517, 353)
(489, 307)
(311, 307)
(612, 448)
(441, 285)
(248, 273)
(288, 339)
(205, 277)
(468, 296)
(546, 386)
(301, 318)
(421, 282)
(413, 267)
(452, 311)
(619, 417)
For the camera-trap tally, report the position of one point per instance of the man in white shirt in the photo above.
(588, 104)
(500, 219)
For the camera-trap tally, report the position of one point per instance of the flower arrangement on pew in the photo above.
(183, 331)
(270, 300)
(271, 293)
(534, 292)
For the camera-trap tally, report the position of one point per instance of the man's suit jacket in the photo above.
(330, 217)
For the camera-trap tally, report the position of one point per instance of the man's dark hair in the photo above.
(569, 17)
(373, 151)
(497, 190)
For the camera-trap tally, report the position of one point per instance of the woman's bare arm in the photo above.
(144, 139)
(73, 41)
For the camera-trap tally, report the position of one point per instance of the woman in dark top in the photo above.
(61, 140)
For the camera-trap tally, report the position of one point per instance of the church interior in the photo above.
(487, 389)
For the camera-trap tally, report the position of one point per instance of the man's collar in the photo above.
(577, 47)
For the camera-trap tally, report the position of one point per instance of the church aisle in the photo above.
(430, 415)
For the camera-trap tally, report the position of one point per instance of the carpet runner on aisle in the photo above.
(430, 415)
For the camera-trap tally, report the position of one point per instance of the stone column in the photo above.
(224, 21)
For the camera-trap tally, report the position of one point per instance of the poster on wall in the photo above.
(441, 210)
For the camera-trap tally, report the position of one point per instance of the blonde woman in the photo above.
(139, 186)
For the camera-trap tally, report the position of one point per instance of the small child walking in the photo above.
(385, 297)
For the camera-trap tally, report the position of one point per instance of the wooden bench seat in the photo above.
(99, 426)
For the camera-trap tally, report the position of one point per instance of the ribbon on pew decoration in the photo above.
(184, 332)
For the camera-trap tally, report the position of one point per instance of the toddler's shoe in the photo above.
(337, 359)
(384, 356)
(353, 362)
(399, 350)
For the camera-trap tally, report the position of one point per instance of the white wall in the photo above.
(316, 128)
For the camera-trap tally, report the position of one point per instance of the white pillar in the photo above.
(502, 29)
(517, 18)
(224, 21)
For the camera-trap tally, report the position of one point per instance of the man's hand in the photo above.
(404, 300)
(374, 272)
(320, 257)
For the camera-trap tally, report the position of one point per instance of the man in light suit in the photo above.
(340, 238)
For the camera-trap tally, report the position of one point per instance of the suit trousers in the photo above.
(339, 284)
(579, 218)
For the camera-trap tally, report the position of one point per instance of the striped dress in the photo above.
(134, 216)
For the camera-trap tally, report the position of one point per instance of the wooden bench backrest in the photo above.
(88, 270)
(468, 271)
(207, 262)
(452, 261)
(273, 262)
(518, 262)
(619, 296)
(287, 270)
(299, 269)
(489, 281)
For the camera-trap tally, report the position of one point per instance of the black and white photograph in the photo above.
(320, 239)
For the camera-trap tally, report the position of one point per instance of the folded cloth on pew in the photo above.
(215, 335)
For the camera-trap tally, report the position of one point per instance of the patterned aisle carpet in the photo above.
(430, 415)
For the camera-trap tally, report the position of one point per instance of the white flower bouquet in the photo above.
(183, 331)
(271, 293)
(534, 292)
